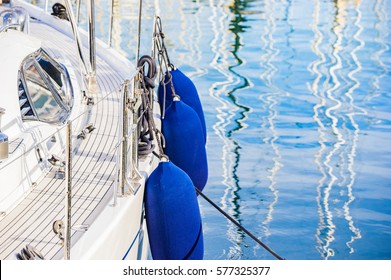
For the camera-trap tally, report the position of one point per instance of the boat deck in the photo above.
(94, 167)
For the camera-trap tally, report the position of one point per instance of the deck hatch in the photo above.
(44, 88)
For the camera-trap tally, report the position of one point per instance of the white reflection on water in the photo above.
(269, 102)
(316, 69)
(338, 139)
(232, 114)
(382, 32)
(356, 234)
(225, 109)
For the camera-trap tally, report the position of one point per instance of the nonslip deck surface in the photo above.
(94, 166)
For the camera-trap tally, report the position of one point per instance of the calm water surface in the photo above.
(297, 102)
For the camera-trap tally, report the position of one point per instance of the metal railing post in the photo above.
(91, 33)
(111, 21)
(46, 5)
(78, 2)
(140, 11)
(68, 191)
(4, 146)
(135, 133)
(124, 138)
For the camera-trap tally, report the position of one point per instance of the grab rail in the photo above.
(76, 36)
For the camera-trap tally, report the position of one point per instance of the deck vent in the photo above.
(24, 104)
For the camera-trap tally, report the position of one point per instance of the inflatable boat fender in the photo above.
(185, 142)
(187, 91)
(172, 215)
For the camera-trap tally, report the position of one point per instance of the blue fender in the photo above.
(185, 145)
(187, 91)
(172, 215)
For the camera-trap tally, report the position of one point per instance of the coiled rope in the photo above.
(148, 73)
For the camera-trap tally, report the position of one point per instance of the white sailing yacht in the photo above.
(71, 180)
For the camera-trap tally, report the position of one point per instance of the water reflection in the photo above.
(338, 131)
(231, 114)
(382, 31)
(219, 40)
(269, 101)
(217, 90)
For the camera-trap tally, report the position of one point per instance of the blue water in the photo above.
(297, 102)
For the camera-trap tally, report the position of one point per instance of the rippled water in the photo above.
(297, 102)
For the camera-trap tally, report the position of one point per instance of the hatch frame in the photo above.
(60, 90)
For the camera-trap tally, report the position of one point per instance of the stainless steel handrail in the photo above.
(68, 192)
(76, 36)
